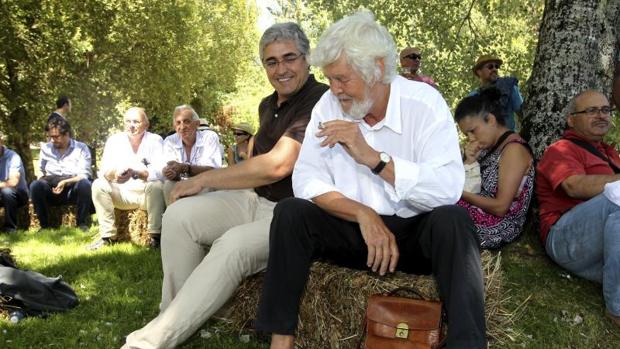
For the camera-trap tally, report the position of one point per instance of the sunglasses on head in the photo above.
(413, 56)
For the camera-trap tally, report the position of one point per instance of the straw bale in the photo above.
(333, 306)
(63, 215)
(132, 225)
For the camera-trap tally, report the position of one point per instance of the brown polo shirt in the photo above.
(287, 120)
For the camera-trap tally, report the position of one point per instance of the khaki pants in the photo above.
(235, 223)
(107, 196)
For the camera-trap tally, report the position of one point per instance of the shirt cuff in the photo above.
(313, 188)
(406, 176)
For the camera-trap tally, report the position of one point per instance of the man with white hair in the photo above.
(188, 152)
(129, 178)
(13, 187)
(212, 240)
(375, 184)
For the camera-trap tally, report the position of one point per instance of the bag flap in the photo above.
(391, 311)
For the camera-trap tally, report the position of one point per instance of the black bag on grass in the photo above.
(34, 293)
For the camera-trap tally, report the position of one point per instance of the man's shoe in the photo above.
(614, 318)
(99, 244)
(154, 241)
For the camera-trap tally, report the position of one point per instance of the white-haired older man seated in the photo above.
(130, 178)
(375, 184)
(188, 152)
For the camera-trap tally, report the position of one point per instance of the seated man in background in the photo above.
(188, 152)
(410, 62)
(213, 240)
(129, 178)
(65, 166)
(13, 187)
(579, 223)
(375, 184)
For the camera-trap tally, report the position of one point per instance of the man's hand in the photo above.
(123, 176)
(59, 187)
(349, 136)
(185, 188)
(472, 151)
(172, 170)
(382, 249)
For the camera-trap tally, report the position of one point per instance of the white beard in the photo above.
(359, 110)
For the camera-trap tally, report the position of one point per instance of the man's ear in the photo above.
(379, 69)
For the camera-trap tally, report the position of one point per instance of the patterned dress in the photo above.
(493, 231)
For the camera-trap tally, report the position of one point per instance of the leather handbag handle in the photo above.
(407, 289)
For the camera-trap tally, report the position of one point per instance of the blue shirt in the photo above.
(74, 161)
(510, 105)
(10, 162)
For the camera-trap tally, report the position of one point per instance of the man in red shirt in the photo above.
(579, 224)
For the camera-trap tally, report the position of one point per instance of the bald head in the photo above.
(589, 115)
(136, 121)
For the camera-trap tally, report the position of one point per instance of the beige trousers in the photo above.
(107, 196)
(235, 223)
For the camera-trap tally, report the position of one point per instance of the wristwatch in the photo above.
(384, 159)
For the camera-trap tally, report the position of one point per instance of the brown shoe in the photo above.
(614, 318)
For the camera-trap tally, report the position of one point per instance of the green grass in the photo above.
(119, 289)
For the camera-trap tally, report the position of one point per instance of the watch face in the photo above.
(385, 157)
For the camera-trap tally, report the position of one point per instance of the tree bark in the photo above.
(576, 51)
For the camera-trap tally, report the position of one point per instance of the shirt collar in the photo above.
(200, 140)
(67, 152)
(274, 96)
(392, 117)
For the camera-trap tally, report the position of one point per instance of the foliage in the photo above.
(451, 34)
(109, 54)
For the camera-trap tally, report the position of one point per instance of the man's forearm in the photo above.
(587, 186)
(340, 206)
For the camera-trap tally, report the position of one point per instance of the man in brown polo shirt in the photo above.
(234, 220)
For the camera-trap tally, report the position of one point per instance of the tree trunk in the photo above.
(576, 50)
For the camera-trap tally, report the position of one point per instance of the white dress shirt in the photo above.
(205, 151)
(418, 132)
(118, 155)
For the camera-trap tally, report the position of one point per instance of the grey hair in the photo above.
(571, 107)
(181, 108)
(362, 41)
(284, 31)
(138, 110)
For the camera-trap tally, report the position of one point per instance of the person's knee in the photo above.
(291, 207)
(453, 222)
(38, 187)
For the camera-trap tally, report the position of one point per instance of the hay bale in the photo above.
(132, 225)
(23, 217)
(333, 306)
(63, 215)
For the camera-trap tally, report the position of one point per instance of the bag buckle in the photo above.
(402, 331)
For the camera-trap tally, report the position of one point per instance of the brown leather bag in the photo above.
(403, 323)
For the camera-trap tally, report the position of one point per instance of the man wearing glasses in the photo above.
(486, 69)
(232, 223)
(579, 212)
(410, 61)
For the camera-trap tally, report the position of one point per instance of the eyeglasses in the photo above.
(413, 57)
(287, 60)
(492, 66)
(592, 111)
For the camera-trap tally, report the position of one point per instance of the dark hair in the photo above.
(487, 101)
(61, 101)
(59, 123)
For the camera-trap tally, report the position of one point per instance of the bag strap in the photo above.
(407, 289)
(500, 140)
(589, 147)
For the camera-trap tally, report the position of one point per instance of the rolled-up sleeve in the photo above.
(436, 176)
(311, 175)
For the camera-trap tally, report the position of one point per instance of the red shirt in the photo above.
(561, 160)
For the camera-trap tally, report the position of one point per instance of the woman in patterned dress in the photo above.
(506, 169)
